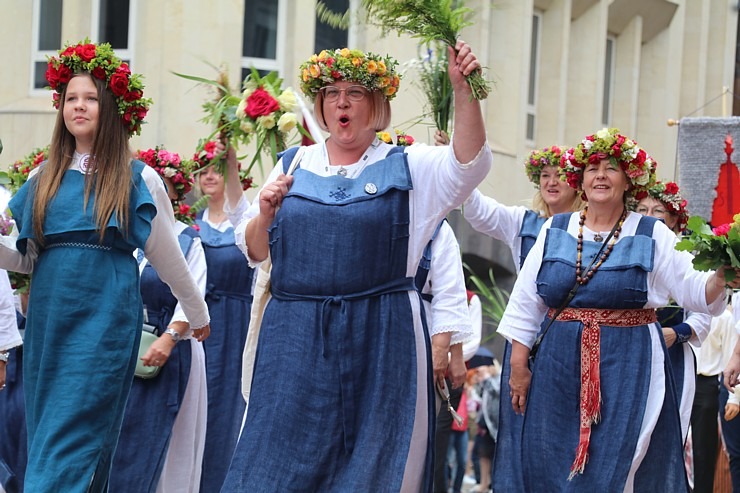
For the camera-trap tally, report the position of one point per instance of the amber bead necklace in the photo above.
(588, 275)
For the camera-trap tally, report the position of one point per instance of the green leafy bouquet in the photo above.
(435, 84)
(713, 247)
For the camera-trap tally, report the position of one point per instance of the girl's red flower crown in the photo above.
(101, 63)
(373, 71)
(538, 159)
(169, 165)
(609, 144)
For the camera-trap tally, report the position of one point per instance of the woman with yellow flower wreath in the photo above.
(80, 217)
(518, 227)
(342, 370)
(591, 283)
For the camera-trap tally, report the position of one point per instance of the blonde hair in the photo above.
(108, 175)
(380, 113)
(539, 205)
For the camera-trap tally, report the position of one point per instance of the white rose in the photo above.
(587, 144)
(287, 100)
(247, 126)
(631, 153)
(249, 87)
(169, 172)
(267, 121)
(287, 122)
(603, 133)
(643, 179)
(240, 109)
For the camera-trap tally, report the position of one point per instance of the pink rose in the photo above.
(722, 230)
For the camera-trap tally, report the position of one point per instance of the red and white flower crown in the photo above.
(373, 71)
(670, 196)
(538, 159)
(100, 61)
(206, 155)
(609, 144)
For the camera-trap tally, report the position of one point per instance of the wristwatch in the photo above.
(4, 356)
(176, 337)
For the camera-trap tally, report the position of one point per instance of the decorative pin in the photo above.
(342, 171)
(371, 189)
(598, 238)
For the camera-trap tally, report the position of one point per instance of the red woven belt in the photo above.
(592, 319)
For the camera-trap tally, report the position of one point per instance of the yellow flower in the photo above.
(372, 67)
(383, 81)
(323, 55)
(385, 137)
(304, 76)
(389, 91)
(287, 122)
(381, 67)
(357, 61)
(267, 121)
(247, 126)
(314, 58)
(315, 71)
(396, 81)
(344, 52)
(287, 101)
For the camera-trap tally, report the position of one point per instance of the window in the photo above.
(534, 64)
(47, 26)
(327, 37)
(606, 104)
(112, 22)
(263, 35)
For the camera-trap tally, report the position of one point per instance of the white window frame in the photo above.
(269, 64)
(533, 80)
(610, 66)
(128, 52)
(38, 55)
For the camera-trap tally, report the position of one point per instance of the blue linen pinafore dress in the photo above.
(153, 403)
(335, 369)
(82, 333)
(507, 464)
(229, 300)
(13, 445)
(551, 422)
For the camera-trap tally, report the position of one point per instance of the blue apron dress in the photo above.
(14, 441)
(551, 422)
(335, 369)
(153, 403)
(507, 465)
(83, 328)
(229, 299)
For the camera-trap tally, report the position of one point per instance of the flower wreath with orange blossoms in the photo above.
(373, 71)
(101, 63)
(622, 152)
(538, 159)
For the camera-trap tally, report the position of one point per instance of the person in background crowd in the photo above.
(80, 216)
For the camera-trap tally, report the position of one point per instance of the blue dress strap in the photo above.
(646, 226)
(395, 150)
(425, 264)
(186, 238)
(560, 221)
(288, 156)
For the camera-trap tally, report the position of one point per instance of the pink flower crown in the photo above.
(169, 165)
(538, 159)
(205, 155)
(101, 63)
(609, 144)
(669, 195)
(373, 71)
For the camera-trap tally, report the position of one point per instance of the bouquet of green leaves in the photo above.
(713, 247)
(435, 84)
(428, 20)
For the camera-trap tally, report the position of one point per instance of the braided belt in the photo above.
(590, 405)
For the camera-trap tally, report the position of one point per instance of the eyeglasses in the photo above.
(353, 93)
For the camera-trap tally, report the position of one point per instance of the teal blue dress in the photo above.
(82, 333)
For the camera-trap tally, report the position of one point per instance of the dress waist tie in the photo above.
(590, 405)
(346, 372)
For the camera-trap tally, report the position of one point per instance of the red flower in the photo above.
(55, 99)
(596, 157)
(99, 73)
(119, 83)
(671, 188)
(68, 51)
(641, 156)
(261, 103)
(124, 69)
(184, 209)
(65, 74)
(722, 230)
(620, 140)
(127, 116)
(336, 74)
(617, 151)
(52, 76)
(85, 52)
(134, 95)
(641, 195)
